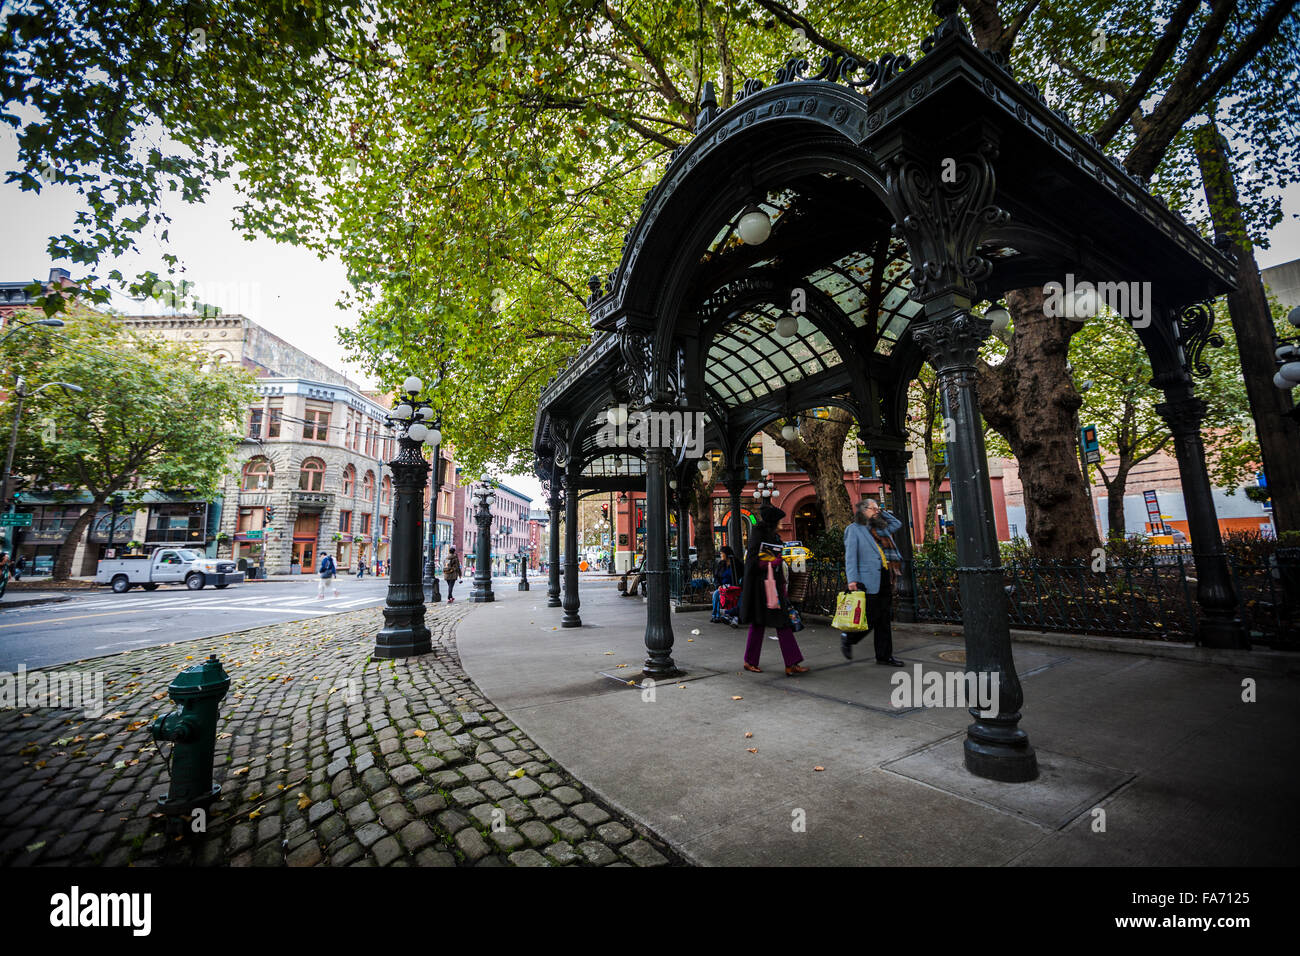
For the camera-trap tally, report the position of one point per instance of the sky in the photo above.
(287, 290)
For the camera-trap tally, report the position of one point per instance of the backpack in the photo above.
(327, 566)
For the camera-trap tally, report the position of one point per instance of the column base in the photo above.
(523, 586)
(404, 636)
(571, 619)
(997, 749)
(1222, 632)
(554, 601)
(435, 592)
(660, 666)
(905, 613)
(481, 597)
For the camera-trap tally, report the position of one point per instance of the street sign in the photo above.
(1089, 444)
(254, 535)
(1153, 510)
(16, 519)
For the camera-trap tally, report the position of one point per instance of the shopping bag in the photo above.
(796, 619)
(851, 612)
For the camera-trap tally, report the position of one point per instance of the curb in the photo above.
(33, 602)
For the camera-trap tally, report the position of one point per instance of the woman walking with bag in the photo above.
(763, 600)
(866, 566)
(451, 573)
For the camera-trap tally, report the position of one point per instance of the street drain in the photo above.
(953, 657)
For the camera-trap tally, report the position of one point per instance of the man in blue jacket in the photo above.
(867, 569)
(329, 573)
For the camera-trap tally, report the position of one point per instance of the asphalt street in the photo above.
(98, 622)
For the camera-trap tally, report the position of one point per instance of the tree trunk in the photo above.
(819, 450)
(63, 567)
(1030, 401)
(702, 518)
(1279, 435)
(937, 473)
(1117, 527)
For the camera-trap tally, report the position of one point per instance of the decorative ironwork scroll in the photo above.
(1195, 332)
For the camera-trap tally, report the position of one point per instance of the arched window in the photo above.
(349, 481)
(387, 491)
(368, 486)
(258, 475)
(312, 475)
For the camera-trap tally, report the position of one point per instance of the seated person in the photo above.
(724, 575)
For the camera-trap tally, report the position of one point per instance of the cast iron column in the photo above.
(996, 747)
(523, 570)
(658, 626)
(431, 589)
(481, 592)
(1219, 624)
(893, 465)
(404, 633)
(571, 602)
(553, 567)
(735, 526)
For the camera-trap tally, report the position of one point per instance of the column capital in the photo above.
(953, 342)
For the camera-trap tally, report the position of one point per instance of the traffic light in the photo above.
(604, 511)
(270, 513)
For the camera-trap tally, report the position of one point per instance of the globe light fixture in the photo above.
(424, 413)
(412, 385)
(402, 411)
(787, 327)
(417, 432)
(1282, 383)
(1290, 373)
(754, 227)
(704, 465)
(1294, 317)
(999, 316)
(789, 432)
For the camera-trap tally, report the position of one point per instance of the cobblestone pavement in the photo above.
(324, 758)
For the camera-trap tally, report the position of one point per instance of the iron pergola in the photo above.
(899, 195)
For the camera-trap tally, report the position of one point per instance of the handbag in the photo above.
(851, 612)
(773, 598)
(796, 619)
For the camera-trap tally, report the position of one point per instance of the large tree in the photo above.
(152, 415)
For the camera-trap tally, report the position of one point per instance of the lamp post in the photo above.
(523, 567)
(482, 591)
(48, 323)
(432, 592)
(1287, 355)
(404, 633)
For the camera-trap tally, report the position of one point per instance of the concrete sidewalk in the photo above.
(1144, 760)
(15, 597)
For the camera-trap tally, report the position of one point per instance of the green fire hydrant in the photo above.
(193, 730)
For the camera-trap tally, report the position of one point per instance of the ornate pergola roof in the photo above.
(889, 185)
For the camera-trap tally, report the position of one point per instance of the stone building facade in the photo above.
(314, 453)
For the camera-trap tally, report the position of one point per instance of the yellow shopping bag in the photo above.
(851, 612)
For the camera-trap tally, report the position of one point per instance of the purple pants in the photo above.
(789, 646)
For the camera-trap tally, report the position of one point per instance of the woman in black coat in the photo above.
(758, 607)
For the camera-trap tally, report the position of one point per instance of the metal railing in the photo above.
(1149, 596)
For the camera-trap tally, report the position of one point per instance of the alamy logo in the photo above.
(623, 429)
(1083, 300)
(75, 908)
(75, 690)
(922, 688)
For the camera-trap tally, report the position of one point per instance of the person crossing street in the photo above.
(328, 574)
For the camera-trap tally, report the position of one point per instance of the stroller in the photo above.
(728, 606)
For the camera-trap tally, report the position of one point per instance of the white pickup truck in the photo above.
(167, 566)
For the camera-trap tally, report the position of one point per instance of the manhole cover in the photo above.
(953, 657)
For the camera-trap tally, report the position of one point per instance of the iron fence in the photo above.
(1152, 595)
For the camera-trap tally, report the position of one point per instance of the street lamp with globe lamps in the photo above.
(481, 593)
(404, 633)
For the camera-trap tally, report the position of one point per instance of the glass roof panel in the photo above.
(614, 466)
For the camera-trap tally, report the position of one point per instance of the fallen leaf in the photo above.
(120, 765)
(160, 695)
(418, 733)
(737, 698)
(241, 770)
(136, 724)
(695, 630)
(304, 801)
(753, 750)
(33, 847)
(40, 764)
(98, 737)
(690, 640)
(519, 773)
(607, 653)
(819, 768)
(255, 814)
(223, 735)
(748, 735)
